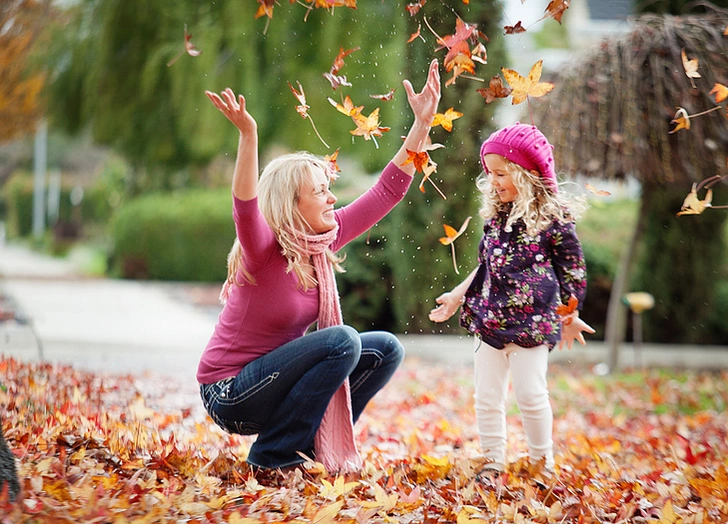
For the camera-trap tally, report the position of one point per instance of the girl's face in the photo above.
(316, 202)
(500, 178)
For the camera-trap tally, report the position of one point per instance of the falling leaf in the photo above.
(189, 48)
(336, 81)
(265, 8)
(525, 87)
(416, 34)
(597, 192)
(495, 90)
(414, 8)
(514, 29)
(692, 205)
(556, 9)
(348, 108)
(445, 119)
(339, 60)
(333, 166)
(303, 108)
(422, 162)
(720, 91)
(690, 66)
(385, 97)
(368, 126)
(449, 239)
(725, 31)
(682, 119)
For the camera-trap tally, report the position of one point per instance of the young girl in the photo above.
(530, 262)
(261, 373)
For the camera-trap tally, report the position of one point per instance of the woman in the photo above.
(261, 373)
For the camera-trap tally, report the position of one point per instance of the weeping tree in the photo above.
(612, 116)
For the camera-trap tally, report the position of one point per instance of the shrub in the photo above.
(183, 236)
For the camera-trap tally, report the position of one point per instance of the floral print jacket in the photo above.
(520, 281)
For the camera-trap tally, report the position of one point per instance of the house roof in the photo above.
(610, 10)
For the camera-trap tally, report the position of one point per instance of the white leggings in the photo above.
(528, 369)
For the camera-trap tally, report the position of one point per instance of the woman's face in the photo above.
(500, 178)
(316, 202)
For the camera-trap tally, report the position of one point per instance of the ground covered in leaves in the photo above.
(637, 447)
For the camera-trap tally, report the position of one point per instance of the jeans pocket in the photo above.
(229, 397)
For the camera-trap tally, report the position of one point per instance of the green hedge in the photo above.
(184, 236)
(17, 197)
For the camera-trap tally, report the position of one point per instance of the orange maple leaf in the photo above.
(348, 108)
(525, 87)
(265, 8)
(333, 166)
(414, 35)
(339, 60)
(445, 119)
(421, 160)
(564, 310)
(368, 126)
(449, 239)
(495, 89)
(720, 91)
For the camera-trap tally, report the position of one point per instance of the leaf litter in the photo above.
(637, 447)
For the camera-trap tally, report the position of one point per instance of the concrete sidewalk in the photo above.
(122, 326)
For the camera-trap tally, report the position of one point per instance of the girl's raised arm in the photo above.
(245, 177)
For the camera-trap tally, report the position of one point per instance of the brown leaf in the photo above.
(556, 9)
(495, 90)
(514, 29)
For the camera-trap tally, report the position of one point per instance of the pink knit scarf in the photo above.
(334, 442)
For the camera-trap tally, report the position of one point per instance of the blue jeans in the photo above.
(282, 396)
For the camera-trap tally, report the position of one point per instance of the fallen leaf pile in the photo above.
(637, 447)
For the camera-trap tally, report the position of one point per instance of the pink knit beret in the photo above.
(526, 146)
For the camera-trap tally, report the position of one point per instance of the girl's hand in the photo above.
(424, 103)
(573, 331)
(234, 110)
(449, 304)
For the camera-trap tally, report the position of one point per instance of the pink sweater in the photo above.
(260, 318)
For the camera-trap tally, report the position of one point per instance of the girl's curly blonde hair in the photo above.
(536, 204)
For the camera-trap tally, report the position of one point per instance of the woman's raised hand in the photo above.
(234, 110)
(424, 103)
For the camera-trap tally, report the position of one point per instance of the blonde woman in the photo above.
(530, 262)
(261, 373)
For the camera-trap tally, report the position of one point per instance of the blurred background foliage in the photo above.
(157, 204)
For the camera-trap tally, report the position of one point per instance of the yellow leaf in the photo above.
(445, 119)
(327, 513)
(525, 87)
(692, 205)
(681, 119)
(235, 518)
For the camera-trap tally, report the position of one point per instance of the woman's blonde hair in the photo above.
(536, 203)
(279, 189)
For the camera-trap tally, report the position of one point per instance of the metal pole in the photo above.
(40, 162)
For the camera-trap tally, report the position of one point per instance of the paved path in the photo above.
(124, 326)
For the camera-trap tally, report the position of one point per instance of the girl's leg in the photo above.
(381, 355)
(491, 388)
(528, 368)
(283, 395)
